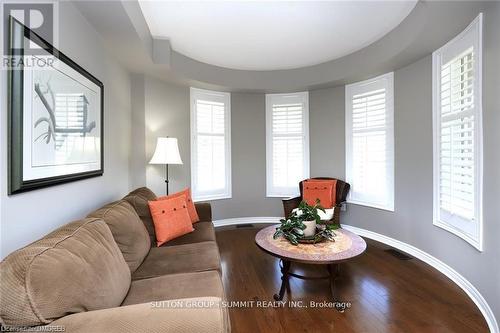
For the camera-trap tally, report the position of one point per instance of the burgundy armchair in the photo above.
(342, 189)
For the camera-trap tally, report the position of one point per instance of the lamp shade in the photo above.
(166, 152)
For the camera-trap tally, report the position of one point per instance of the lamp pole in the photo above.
(166, 174)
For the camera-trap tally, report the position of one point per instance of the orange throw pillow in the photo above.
(334, 189)
(322, 189)
(171, 218)
(190, 204)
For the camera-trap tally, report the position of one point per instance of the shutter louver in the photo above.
(211, 160)
(369, 145)
(456, 177)
(287, 143)
(210, 145)
(458, 135)
(369, 142)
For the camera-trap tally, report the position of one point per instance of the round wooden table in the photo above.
(347, 246)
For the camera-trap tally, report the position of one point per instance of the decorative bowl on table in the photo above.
(327, 215)
(303, 225)
(322, 234)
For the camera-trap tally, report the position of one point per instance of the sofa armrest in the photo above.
(202, 314)
(290, 204)
(204, 210)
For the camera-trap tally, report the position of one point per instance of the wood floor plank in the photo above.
(387, 294)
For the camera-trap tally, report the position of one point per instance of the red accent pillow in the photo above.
(193, 214)
(171, 219)
(323, 189)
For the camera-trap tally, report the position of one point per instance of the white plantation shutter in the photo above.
(370, 143)
(210, 145)
(457, 134)
(287, 142)
(456, 176)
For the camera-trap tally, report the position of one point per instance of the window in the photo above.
(287, 134)
(370, 142)
(458, 135)
(210, 145)
(71, 120)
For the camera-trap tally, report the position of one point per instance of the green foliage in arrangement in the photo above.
(306, 212)
(326, 233)
(292, 228)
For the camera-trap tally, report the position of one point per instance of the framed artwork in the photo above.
(55, 115)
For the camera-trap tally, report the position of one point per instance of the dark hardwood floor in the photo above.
(387, 294)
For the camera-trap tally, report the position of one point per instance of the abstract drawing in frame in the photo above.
(55, 116)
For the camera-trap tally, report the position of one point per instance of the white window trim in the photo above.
(474, 235)
(304, 98)
(226, 98)
(389, 84)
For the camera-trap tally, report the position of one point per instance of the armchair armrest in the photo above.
(336, 214)
(204, 210)
(290, 204)
(205, 315)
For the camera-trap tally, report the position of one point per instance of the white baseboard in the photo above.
(452, 274)
(247, 220)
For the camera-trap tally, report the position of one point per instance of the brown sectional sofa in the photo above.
(105, 274)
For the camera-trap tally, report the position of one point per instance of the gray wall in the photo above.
(248, 152)
(411, 222)
(25, 217)
(137, 176)
(167, 113)
(421, 32)
(327, 132)
(162, 109)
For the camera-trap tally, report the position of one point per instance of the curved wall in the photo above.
(166, 112)
(424, 30)
(411, 222)
(429, 25)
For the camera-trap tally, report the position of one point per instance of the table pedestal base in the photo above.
(333, 274)
(285, 284)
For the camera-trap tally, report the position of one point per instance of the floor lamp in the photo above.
(166, 152)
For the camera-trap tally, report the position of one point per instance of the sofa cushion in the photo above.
(204, 211)
(139, 200)
(186, 193)
(187, 258)
(203, 231)
(171, 218)
(76, 268)
(201, 314)
(150, 227)
(174, 286)
(127, 229)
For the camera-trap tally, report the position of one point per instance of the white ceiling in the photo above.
(271, 35)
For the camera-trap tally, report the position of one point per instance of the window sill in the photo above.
(212, 197)
(360, 203)
(282, 196)
(476, 243)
